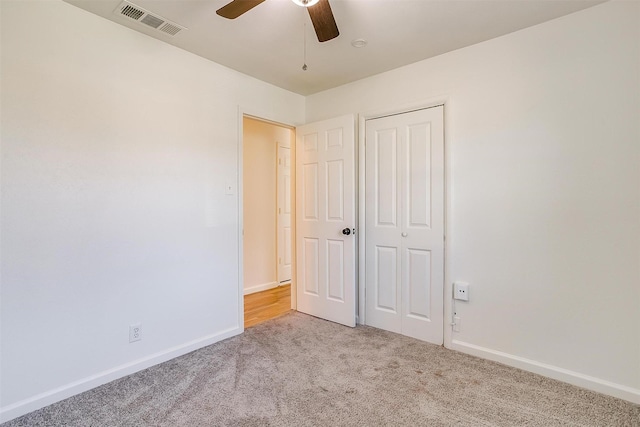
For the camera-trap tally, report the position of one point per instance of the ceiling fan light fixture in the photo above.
(358, 43)
(305, 3)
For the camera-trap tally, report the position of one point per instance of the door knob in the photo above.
(346, 231)
(404, 234)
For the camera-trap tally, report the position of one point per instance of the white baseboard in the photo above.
(260, 288)
(561, 374)
(52, 396)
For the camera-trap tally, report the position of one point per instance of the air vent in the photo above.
(170, 29)
(152, 20)
(132, 12)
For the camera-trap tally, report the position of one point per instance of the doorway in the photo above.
(267, 216)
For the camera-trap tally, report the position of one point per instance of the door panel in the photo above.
(386, 283)
(287, 250)
(326, 187)
(383, 252)
(386, 176)
(418, 283)
(335, 190)
(404, 215)
(311, 259)
(419, 175)
(335, 267)
(310, 191)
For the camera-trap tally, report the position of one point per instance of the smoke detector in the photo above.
(152, 20)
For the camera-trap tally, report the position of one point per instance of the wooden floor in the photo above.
(266, 305)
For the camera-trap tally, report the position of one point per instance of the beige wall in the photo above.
(260, 142)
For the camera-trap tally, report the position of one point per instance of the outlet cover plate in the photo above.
(135, 332)
(461, 291)
(456, 323)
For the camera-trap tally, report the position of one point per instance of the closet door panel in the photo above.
(382, 228)
(404, 216)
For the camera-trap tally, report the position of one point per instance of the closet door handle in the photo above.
(404, 234)
(346, 231)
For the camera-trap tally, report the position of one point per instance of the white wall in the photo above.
(543, 133)
(116, 149)
(260, 144)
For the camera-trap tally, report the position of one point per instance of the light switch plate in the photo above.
(229, 188)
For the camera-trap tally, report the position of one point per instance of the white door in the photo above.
(284, 214)
(404, 216)
(325, 220)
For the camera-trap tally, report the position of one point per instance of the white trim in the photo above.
(240, 203)
(262, 287)
(446, 102)
(435, 101)
(448, 215)
(60, 393)
(358, 211)
(581, 380)
(361, 235)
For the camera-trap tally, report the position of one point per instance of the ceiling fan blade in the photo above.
(237, 7)
(323, 21)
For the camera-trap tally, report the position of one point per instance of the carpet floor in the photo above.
(298, 370)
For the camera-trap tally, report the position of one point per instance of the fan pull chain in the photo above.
(304, 65)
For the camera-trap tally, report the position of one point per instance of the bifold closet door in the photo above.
(404, 223)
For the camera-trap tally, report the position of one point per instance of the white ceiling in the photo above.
(267, 42)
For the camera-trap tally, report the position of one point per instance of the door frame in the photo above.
(264, 117)
(446, 102)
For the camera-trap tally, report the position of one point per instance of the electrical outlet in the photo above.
(135, 332)
(461, 291)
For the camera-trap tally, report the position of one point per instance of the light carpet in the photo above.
(298, 370)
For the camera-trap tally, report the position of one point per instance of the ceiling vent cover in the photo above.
(170, 28)
(152, 20)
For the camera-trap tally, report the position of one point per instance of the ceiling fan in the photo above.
(319, 12)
